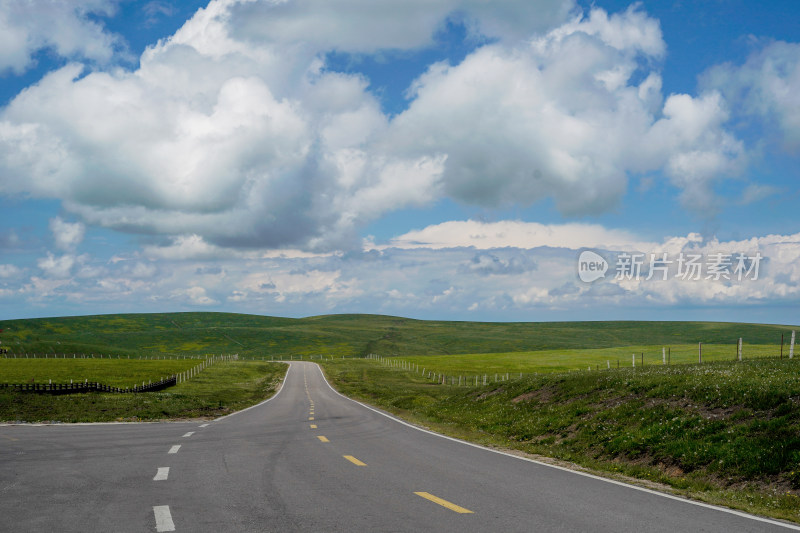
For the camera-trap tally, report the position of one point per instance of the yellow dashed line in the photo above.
(322, 439)
(311, 418)
(443, 503)
(354, 460)
(313, 426)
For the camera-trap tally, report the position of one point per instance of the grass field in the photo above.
(116, 373)
(725, 432)
(218, 390)
(351, 335)
(601, 358)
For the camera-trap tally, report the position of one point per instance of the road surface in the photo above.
(310, 459)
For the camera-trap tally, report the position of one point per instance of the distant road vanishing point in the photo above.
(310, 459)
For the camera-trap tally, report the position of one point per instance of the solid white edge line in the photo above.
(285, 377)
(174, 449)
(163, 518)
(786, 525)
(162, 474)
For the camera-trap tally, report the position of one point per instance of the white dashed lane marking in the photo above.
(189, 434)
(162, 474)
(204, 425)
(163, 518)
(174, 449)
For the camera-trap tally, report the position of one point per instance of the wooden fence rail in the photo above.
(71, 388)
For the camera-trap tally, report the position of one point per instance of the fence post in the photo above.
(791, 346)
(663, 355)
(700, 352)
(633, 361)
(739, 350)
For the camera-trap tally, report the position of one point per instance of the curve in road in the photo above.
(310, 459)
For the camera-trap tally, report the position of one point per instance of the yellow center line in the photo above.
(311, 418)
(322, 439)
(354, 460)
(443, 503)
(313, 426)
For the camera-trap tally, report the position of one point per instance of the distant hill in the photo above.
(253, 335)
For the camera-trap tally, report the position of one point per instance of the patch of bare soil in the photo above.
(543, 395)
(709, 413)
(489, 393)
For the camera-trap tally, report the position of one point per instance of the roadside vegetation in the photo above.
(218, 390)
(724, 432)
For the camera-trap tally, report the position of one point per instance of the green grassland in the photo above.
(351, 335)
(220, 389)
(572, 359)
(724, 432)
(121, 373)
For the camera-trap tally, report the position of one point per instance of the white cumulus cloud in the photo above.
(234, 134)
(67, 235)
(64, 26)
(562, 115)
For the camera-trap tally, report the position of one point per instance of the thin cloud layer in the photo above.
(516, 234)
(766, 88)
(424, 278)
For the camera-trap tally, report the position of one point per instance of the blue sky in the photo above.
(444, 159)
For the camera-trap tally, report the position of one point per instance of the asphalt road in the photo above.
(311, 460)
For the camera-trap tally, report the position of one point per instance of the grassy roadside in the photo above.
(218, 390)
(725, 433)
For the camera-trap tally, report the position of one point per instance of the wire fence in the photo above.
(146, 386)
(606, 359)
(54, 355)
